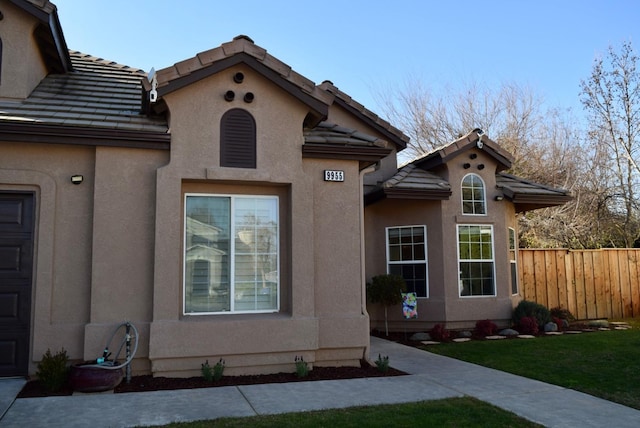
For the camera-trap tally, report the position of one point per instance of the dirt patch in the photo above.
(34, 388)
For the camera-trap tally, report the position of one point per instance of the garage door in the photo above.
(16, 265)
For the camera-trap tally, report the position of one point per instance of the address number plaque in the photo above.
(333, 175)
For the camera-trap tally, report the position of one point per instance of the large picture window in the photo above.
(407, 256)
(473, 197)
(231, 254)
(475, 256)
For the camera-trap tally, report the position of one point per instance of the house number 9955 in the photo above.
(332, 175)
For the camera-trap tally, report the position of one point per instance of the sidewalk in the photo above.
(432, 377)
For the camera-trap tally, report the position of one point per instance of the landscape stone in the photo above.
(495, 337)
(508, 332)
(465, 334)
(526, 336)
(430, 342)
(419, 337)
(598, 323)
(461, 339)
(550, 326)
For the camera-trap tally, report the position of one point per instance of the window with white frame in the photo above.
(513, 261)
(475, 257)
(231, 254)
(407, 256)
(473, 195)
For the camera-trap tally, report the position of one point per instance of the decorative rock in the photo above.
(508, 332)
(430, 342)
(572, 332)
(550, 326)
(525, 336)
(465, 334)
(553, 333)
(461, 339)
(565, 324)
(598, 323)
(495, 337)
(419, 337)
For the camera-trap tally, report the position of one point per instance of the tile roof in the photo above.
(330, 133)
(443, 154)
(412, 177)
(243, 50)
(97, 94)
(390, 132)
(527, 195)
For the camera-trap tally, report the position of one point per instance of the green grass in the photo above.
(605, 364)
(454, 412)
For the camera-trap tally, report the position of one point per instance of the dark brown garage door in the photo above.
(16, 264)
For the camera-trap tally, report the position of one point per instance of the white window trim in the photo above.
(484, 196)
(426, 256)
(232, 234)
(492, 260)
(513, 261)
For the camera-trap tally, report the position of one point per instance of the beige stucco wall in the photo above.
(63, 245)
(21, 53)
(444, 304)
(321, 313)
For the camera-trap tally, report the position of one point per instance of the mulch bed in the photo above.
(34, 388)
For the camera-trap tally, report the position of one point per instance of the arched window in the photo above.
(238, 139)
(473, 195)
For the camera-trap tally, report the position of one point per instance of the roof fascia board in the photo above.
(323, 151)
(320, 108)
(49, 134)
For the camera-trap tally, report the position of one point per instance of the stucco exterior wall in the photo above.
(445, 305)
(318, 225)
(27, 67)
(63, 245)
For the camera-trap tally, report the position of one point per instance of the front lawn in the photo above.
(605, 364)
(453, 412)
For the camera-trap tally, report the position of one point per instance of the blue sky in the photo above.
(365, 47)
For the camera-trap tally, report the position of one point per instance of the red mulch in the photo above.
(34, 388)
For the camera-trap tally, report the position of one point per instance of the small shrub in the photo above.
(214, 373)
(486, 328)
(439, 333)
(53, 370)
(387, 290)
(382, 363)
(531, 310)
(207, 371)
(563, 314)
(528, 325)
(559, 323)
(218, 370)
(302, 368)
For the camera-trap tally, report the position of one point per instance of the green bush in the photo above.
(302, 368)
(382, 363)
(563, 314)
(534, 310)
(53, 370)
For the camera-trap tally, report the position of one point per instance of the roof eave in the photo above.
(88, 136)
(366, 155)
(407, 194)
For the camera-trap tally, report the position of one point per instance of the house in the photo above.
(217, 205)
(221, 205)
(447, 223)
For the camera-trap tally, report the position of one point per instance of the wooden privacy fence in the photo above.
(589, 283)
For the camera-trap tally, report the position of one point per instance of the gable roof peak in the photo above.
(474, 139)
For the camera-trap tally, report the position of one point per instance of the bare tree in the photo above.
(611, 96)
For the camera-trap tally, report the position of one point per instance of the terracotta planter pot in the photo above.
(91, 378)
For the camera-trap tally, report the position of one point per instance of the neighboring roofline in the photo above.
(87, 136)
(444, 154)
(49, 34)
(390, 133)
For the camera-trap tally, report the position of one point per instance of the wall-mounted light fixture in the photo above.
(77, 179)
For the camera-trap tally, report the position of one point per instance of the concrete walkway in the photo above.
(432, 377)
